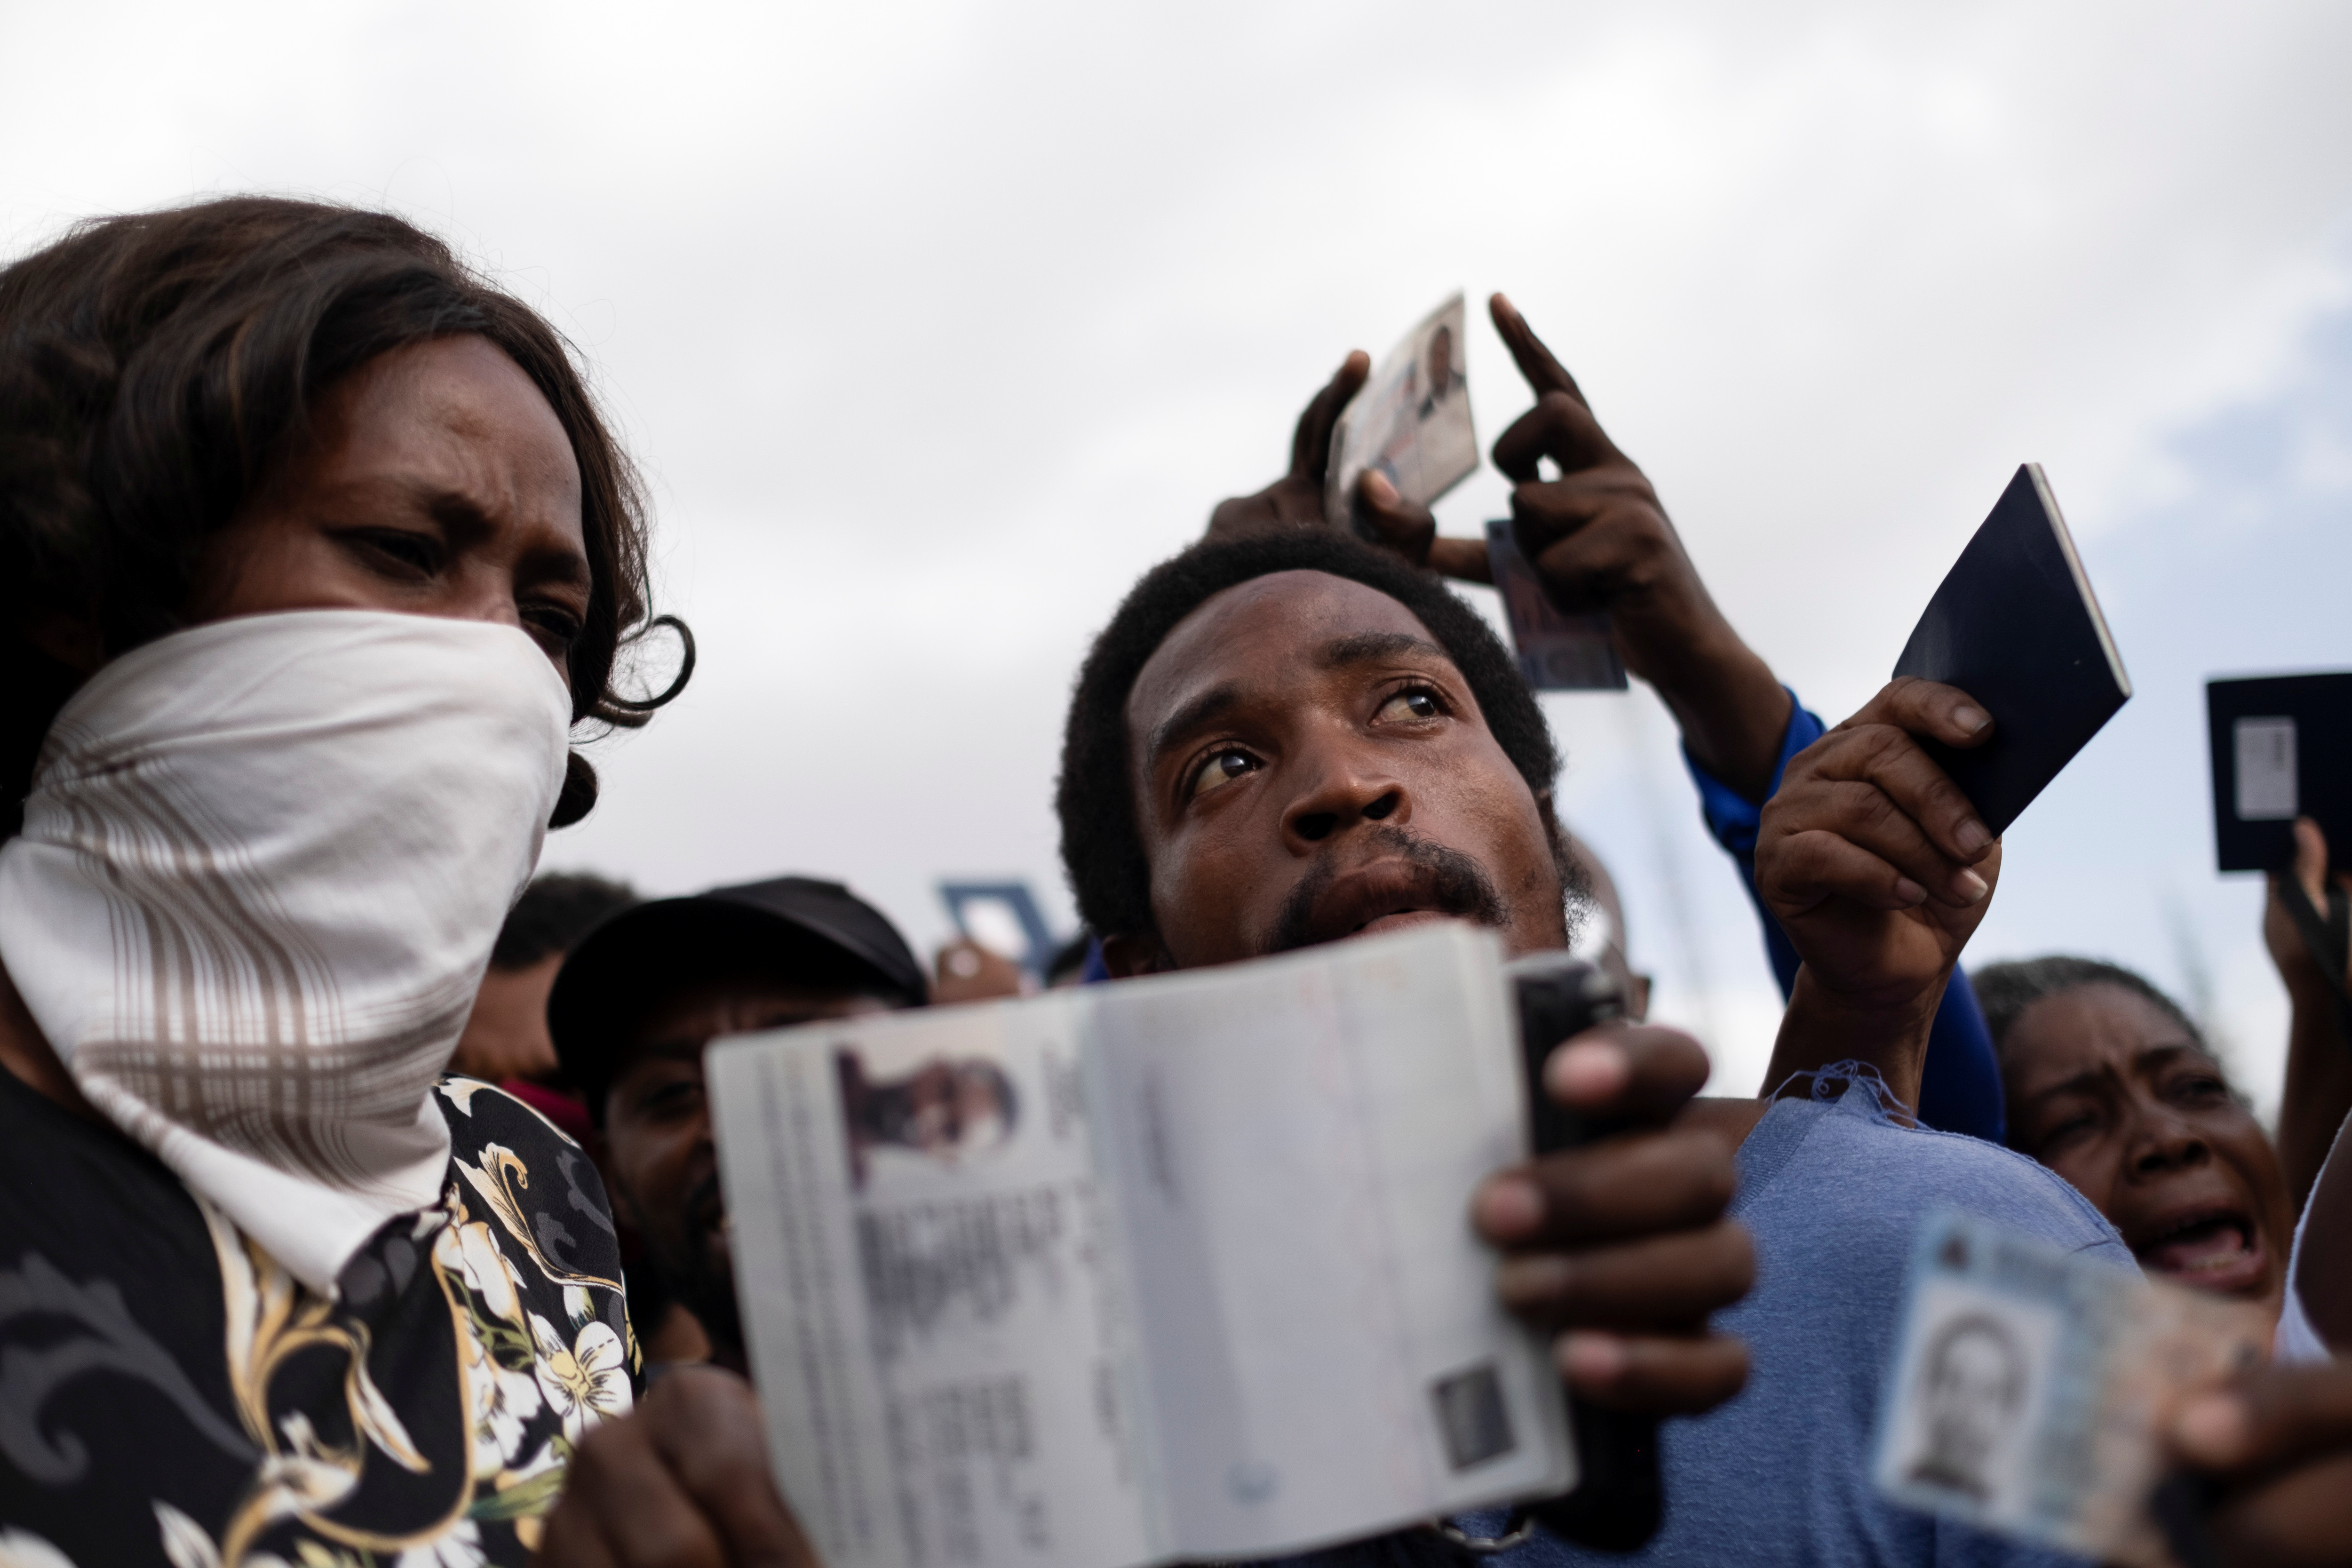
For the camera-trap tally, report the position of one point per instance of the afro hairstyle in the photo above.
(1102, 849)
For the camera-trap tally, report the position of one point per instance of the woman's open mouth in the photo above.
(2208, 1249)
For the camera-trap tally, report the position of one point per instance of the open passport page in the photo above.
(1178, 1268)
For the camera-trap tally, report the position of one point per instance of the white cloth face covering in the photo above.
(263, 865)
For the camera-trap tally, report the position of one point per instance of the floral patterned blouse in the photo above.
(170, 1396)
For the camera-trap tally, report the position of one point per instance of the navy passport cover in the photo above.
(2015, 627)
(2253, 829)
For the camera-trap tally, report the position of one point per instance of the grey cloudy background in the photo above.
(933, 324)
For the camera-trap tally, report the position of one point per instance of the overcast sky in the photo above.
(934, 324)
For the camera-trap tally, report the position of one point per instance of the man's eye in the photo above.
(1221, 769)
(1417, 703)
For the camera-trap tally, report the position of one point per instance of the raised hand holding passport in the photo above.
(1879, 869)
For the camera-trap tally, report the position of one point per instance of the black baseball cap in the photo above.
(799, 929)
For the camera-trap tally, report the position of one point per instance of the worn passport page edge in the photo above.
(2082, 579)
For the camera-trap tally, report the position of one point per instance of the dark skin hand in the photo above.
(682, 1482)
(2318, 1088)
(1621, 1249)
(1597, 535)
(2278, 1444)
(1875, 865)
(2105, 1089)
(1304, 754)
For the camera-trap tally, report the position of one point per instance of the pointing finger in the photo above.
(1544, 371)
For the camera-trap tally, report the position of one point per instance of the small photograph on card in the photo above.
(2029, 1385)
(1970, 1394)
(1411, 421)
(946, 1112)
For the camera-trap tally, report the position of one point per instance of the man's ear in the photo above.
(1129, 956)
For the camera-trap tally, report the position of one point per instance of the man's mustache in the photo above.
(1452, 884)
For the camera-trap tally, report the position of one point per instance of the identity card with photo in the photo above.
(1175, 1268)
(1558, 650)
(1411, 420)
(2029, 1385)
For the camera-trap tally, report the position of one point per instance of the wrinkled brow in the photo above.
(1369, 647)
(2155, 1059)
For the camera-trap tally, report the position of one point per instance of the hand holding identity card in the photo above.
(2029, 1385)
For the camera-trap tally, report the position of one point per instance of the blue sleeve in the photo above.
(1959, 1089)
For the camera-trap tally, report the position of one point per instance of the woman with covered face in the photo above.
(314, 553)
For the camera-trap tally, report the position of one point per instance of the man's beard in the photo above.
(1456, 885)
(700, 1281)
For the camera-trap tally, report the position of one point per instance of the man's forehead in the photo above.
(1281, 624)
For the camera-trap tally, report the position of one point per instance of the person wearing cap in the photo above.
(635, 1005)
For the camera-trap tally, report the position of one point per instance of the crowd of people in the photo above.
(361, 1202)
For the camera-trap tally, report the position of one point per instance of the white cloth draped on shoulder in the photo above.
(263, 865)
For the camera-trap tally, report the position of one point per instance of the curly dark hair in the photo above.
(153, 365)
(1102, 851)
(2004, 991)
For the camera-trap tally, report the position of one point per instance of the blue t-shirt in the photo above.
(1832, 1190)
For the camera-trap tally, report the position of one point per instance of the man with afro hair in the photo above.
(1286, 737)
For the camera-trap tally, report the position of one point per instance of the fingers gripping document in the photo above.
(1173, 1268)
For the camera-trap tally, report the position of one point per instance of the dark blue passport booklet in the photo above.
(2281, 749)
(2016, 626)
